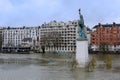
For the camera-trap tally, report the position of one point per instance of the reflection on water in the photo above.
(36, 67)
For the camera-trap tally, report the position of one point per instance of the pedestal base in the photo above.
(82, 53)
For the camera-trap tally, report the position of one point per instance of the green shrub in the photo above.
(108, 61)
(91, 65)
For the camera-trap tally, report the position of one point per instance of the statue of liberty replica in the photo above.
(81, 44)
(81, 32)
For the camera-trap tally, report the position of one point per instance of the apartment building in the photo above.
(54, 36)
(60, 36)
(12, 37)
(107, 34)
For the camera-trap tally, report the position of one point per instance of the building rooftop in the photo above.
(88, 29)
(24, 27)
(106, 25)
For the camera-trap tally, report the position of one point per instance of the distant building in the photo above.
(12, 37)
(106, 34)
(88, 33)
(66, 41)
(54, 36)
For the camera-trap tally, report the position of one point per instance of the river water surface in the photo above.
(36, 67)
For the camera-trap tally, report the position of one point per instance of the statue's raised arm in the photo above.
(81, 32)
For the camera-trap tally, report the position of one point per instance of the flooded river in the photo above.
(36, 67)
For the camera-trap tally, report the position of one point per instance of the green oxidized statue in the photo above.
(81, 32)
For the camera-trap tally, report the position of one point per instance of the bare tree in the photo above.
(103, 47)
(1, 40)
(51, 39)
(43, 42)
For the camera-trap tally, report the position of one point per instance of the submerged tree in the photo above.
(91, 64)
(107, 57)
(108, 61)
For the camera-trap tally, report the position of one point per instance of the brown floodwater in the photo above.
(37, 67)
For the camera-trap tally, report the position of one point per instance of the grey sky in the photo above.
(35, 12)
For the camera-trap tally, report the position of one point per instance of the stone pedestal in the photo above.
(82, 53)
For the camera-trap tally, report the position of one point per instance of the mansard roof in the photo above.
(106, 25)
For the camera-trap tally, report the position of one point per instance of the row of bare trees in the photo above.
(103, 47)
(52, 39)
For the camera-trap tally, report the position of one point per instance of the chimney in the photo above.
(99, 25)
(114, 24)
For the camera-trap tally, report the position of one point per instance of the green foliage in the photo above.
(108, 61)
(91, 65)
(104, 49)
(93, 62)
(74, 63)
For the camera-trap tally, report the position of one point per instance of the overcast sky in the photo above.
(17, 13)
